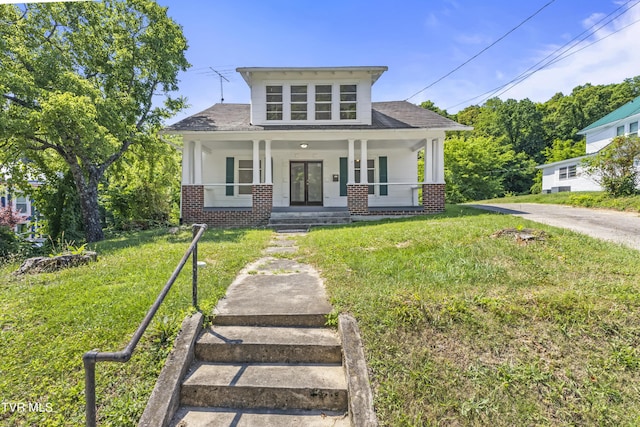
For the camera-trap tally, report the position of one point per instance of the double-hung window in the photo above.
(323, 102)
(21, 205)
(348, 102)
(633, 128)
(371, 173)
(620, 131)
(298, 102)
(274, 102)
(567, 172)
(245, 175)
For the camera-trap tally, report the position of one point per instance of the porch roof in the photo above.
(385, 115)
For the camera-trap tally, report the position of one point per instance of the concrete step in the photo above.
(306, 320)
(311, 214)
(268, 386)
(223, 417)
(243, 344)
(314, 220)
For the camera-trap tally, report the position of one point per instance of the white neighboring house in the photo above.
(569, 175)
(22, 205)
(310, 139)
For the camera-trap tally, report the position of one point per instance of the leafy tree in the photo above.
(614, 166)
(87, 81)
(143, 188)
(563, 149)
(429, 105)
(475, 168)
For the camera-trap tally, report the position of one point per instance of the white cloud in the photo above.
(607, 58)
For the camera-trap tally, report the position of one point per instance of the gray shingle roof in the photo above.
(385, 115)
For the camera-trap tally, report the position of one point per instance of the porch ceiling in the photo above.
(313, 145)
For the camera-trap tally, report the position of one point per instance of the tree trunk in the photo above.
(87, 186)
(90, 211)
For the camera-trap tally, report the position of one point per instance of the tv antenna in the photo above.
(221, 90)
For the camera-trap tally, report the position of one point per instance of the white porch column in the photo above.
(256, 161)
(364, 176)
(439, 167)
(428, 162)
(351, 174)
(267, 162)
(197, 163)
(187, 162)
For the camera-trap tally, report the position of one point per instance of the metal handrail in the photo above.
(90, 358)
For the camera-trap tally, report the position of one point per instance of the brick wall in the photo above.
(433, 198)
(193, 210)
(262, 203)
(358, 199)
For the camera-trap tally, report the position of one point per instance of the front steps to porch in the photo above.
(303, 218)
(268, 359)
(265, 375)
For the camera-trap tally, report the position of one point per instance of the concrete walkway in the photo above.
(273, 286)
(268, 359)
(615, 226)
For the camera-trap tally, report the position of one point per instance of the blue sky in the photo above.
(419, 40)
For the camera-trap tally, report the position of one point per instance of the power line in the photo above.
(523, 76)
(556, 58)
(481, 52)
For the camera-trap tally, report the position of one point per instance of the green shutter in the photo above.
(384, 190)
(343, 176)
(230, 175)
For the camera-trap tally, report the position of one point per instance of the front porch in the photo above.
(262, 212)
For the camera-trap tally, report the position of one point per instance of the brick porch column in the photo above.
(192, 204)
(358, 199)
(433, 198)
(262, 202)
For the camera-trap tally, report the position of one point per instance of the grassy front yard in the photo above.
(462, 328)
(47, 321)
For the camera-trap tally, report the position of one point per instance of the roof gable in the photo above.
(629, 109)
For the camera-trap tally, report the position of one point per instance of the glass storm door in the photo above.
(306, 183)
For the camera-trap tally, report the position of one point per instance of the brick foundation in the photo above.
(193, 210)
(358, 199)
(433, 198)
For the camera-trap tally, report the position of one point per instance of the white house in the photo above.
(22, 205)
(569, 175)
(310, 137)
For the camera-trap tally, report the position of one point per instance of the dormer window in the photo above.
(298, 103)
(274, 102)
(348, 99)
(323, 102)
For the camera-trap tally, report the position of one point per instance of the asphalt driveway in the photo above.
(619, 227)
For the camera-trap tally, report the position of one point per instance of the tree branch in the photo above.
(20, 102)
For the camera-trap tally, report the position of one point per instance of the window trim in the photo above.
(278, 114)
(294, 114)
(567, 172)
(245, 190)
(346, 102)
(371, 173)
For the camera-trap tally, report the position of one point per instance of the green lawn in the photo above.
(589, 199)
(47, 321)
(462, 328)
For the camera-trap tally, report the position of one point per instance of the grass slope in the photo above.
(47, 321)
(588, 199)
(462, 328)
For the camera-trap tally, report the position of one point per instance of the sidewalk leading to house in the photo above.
(268, 359)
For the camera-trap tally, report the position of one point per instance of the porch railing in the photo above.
(90, 358)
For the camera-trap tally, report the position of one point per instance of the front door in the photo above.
(306, 183)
